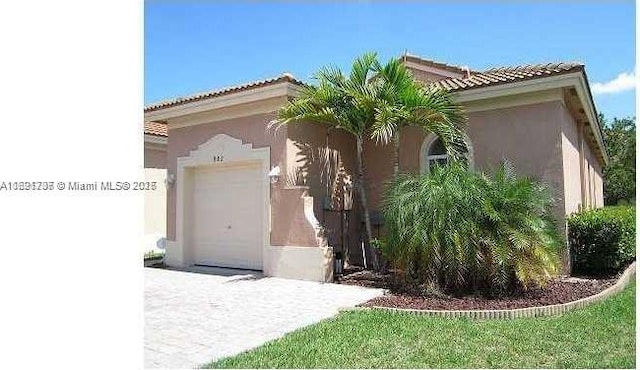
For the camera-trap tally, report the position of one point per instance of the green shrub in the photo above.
(462, 230)
(602, 240)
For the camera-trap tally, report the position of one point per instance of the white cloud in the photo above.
(623, 82)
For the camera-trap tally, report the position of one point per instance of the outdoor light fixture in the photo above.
(170, 180)
(274, 174)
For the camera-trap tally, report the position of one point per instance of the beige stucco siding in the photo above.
(528, 136)
(288, 223)
(594, 179)
(155, 201)
(581, 188)
(378, 164)
(154, 157)
(599, 186)
(155, 208)
(590, 191)
(540, 139)
(598, 183)
(571, 143)
(316, 154)
(251, 129)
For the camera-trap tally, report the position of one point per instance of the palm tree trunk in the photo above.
(396, 170)
(396, 153)
(363, 196)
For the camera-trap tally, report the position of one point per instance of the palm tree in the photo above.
(463, 230)
(405, 102)
(347, 103)
(519, 222)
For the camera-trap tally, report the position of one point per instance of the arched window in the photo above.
(436, 154)
(433, 153)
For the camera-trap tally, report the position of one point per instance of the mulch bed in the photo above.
(560, 290)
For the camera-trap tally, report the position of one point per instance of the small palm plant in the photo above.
(461, 230)
(430, 222)
(519, 223)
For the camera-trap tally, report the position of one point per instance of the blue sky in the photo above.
(201, 46)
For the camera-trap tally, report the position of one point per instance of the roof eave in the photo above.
(155, 139)
(576, 79)
(594, 118)
(515, 87)
(285, 77)
(284, 88)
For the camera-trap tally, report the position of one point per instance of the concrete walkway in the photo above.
(193, 318)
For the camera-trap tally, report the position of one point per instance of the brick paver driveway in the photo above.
(193, 318)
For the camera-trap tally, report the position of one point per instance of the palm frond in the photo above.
(405, 102)
(361, 70)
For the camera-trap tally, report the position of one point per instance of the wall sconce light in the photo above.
(170, 180)
(274, 174)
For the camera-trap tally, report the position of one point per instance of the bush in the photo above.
(461, 230)
(602, 240)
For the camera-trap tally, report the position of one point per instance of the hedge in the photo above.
(602, 240)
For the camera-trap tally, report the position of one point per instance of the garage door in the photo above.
(227, 217)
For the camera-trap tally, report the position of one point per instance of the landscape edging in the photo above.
(556, 309)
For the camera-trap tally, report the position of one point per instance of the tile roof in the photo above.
(434, 64)
(285, 77)
(155, 128)
(505, 75)
(472, 79)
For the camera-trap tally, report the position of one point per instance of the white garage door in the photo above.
(227, 217)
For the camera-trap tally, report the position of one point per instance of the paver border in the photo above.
(516, 313)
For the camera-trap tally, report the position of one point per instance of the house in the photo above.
(252, 198)
(155, 171)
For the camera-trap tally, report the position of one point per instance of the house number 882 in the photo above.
(218, 158)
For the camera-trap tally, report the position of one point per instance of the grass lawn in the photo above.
(599, 336)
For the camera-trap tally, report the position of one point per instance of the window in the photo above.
(433, 153)
(436, 154)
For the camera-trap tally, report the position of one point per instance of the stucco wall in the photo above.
(599, 186)
(315, 155)
(378, 164)
(571, 143)
(183, 140)
(154, 157)
(591, 181)
(155, 201)
(536, 138)
(594, 186)
(155, 208)
(528, 136)
(285, 203)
